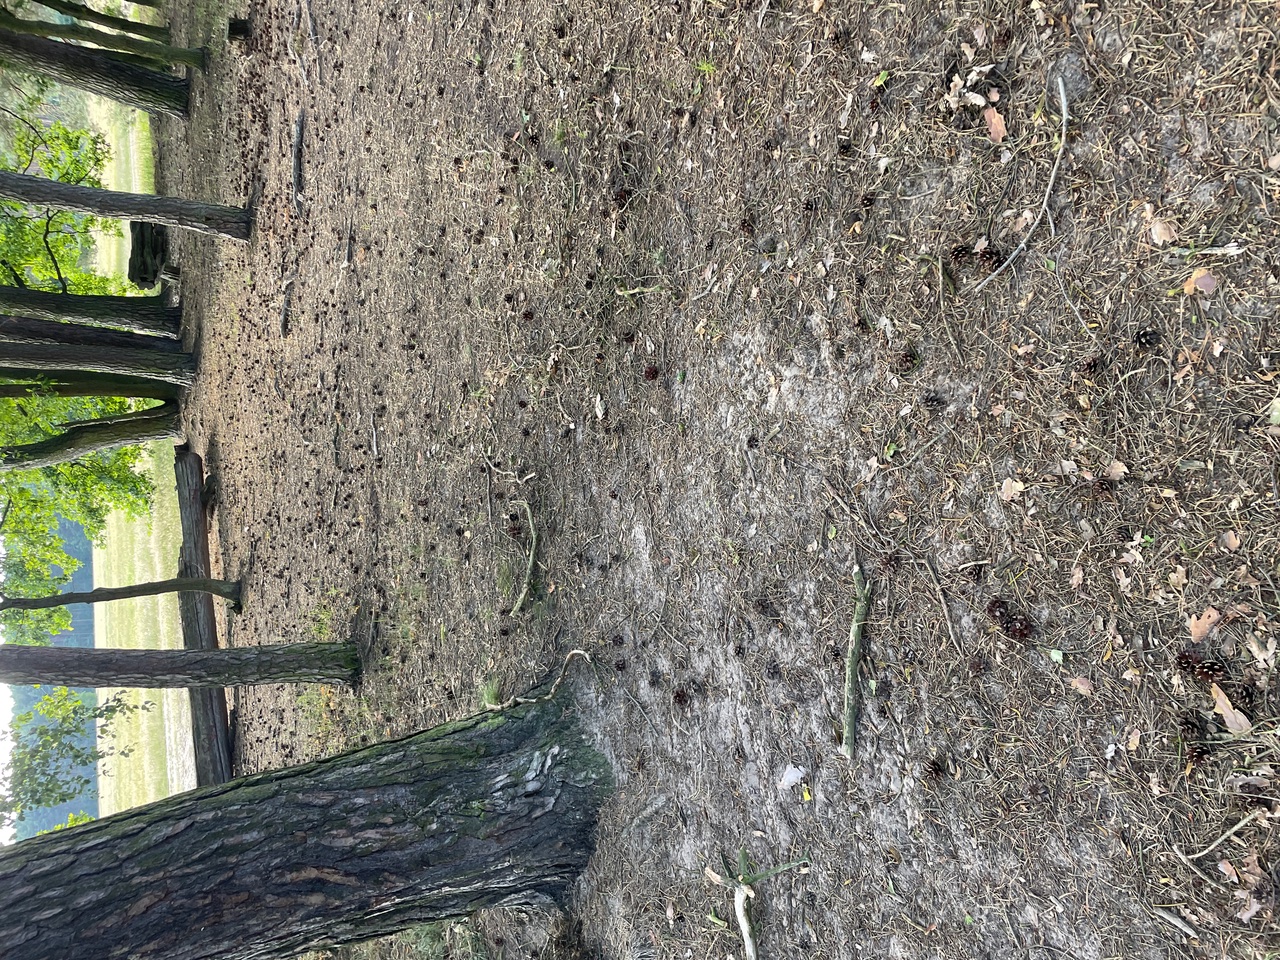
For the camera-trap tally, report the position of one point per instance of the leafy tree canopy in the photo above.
(50, 750)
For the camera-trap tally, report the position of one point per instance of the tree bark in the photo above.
(155, 54)
(24, 330)
(212, 218)
(164, 365)
(79, 11)
(94, 436)
(157, 669)
(498, 809)
(227, 589)
(84, 385)
(146, 315)
(97, 71)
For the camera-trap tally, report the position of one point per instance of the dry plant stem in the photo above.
(1239, 826)
(852, 689)
(1044, 207)
(533, 553)
(740, 894)
(555, 686)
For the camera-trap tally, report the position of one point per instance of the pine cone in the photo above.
(1211, 671)
(1190, 727)
(1189, 659)
(1198, 753)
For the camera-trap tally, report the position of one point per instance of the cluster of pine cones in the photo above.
(1191, 726)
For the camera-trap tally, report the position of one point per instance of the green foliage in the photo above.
(49, 747)
(73, 820)
(43, 248)
(34, 563)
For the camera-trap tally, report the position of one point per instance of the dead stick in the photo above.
(853, 657)
(1044, 207)
(533, 553)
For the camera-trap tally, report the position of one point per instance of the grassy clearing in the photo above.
(131, 169)
(159, 739)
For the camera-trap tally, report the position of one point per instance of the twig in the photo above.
(942, 601)
(297, 161)
(1171, 918)
(743, 889)
(852, 688)
(533, 553)
(550, 694)
(1044, 207)
(1239, 826)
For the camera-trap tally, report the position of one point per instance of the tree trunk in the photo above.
(154, 54)
(148, 315)
(79, 11)
(227, 589)
(156, 669)
(85, 385)
(97, 71)
(175, 368)
(498, 809)
(24, 330)
(233, 222)
(94, 436)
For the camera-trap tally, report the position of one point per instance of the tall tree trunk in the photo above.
(79, 11)
(154, 54)
(93, 436)
(49, 332)
(150, 315)
(496, 809)
(227, 589)
(83, 385)
(233, 222)
(156, 669)
(97, 71)
(175, 368)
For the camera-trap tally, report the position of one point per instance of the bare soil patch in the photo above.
(695, 282)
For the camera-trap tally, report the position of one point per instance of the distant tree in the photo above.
(147, 315)
(233, 222)
(97, 71)
(79, 11)
(47, 750)
(151, 52)
(76, 440)
(226, 667)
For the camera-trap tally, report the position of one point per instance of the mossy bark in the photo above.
(498, 809)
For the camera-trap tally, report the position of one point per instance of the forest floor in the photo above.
(698, 302)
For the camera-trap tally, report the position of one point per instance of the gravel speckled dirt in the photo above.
(685, 296)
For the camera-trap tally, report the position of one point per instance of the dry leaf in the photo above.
(1200, 281)
(1077, 576)
(1229, 541)
(995, 124)
(1273, 163)
(1235, 721)
(818, 5)
(1201, 625)
(1178, 579)
(1228, 871)
(1162, 232)
(1082, 686)
(1135, 738)
(1115, 471)
(1011, 489)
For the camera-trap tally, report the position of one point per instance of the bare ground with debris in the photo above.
(698, 284)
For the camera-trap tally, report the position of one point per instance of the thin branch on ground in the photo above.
(1044, 206)
(533, 554)
(852, 687)
(549, 695)
(742, 885)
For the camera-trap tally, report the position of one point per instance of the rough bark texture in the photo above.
(86, 385)
(93, 436)
(233, 222)
(499, 809)
(96, 71)
(153, 53)
(175, 368)
(147, 315)
(28, 330)
(80, 11)
(159, 669)
(227, 589)
(210, 728)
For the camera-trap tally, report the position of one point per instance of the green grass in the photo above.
(137, 551)
(131, 169)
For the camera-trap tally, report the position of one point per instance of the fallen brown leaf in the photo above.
(995, 124)
(1229, 541)
(1201, 281)
(1235, 721)
(1201, 625)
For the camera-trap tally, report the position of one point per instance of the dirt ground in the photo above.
(685, 298)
